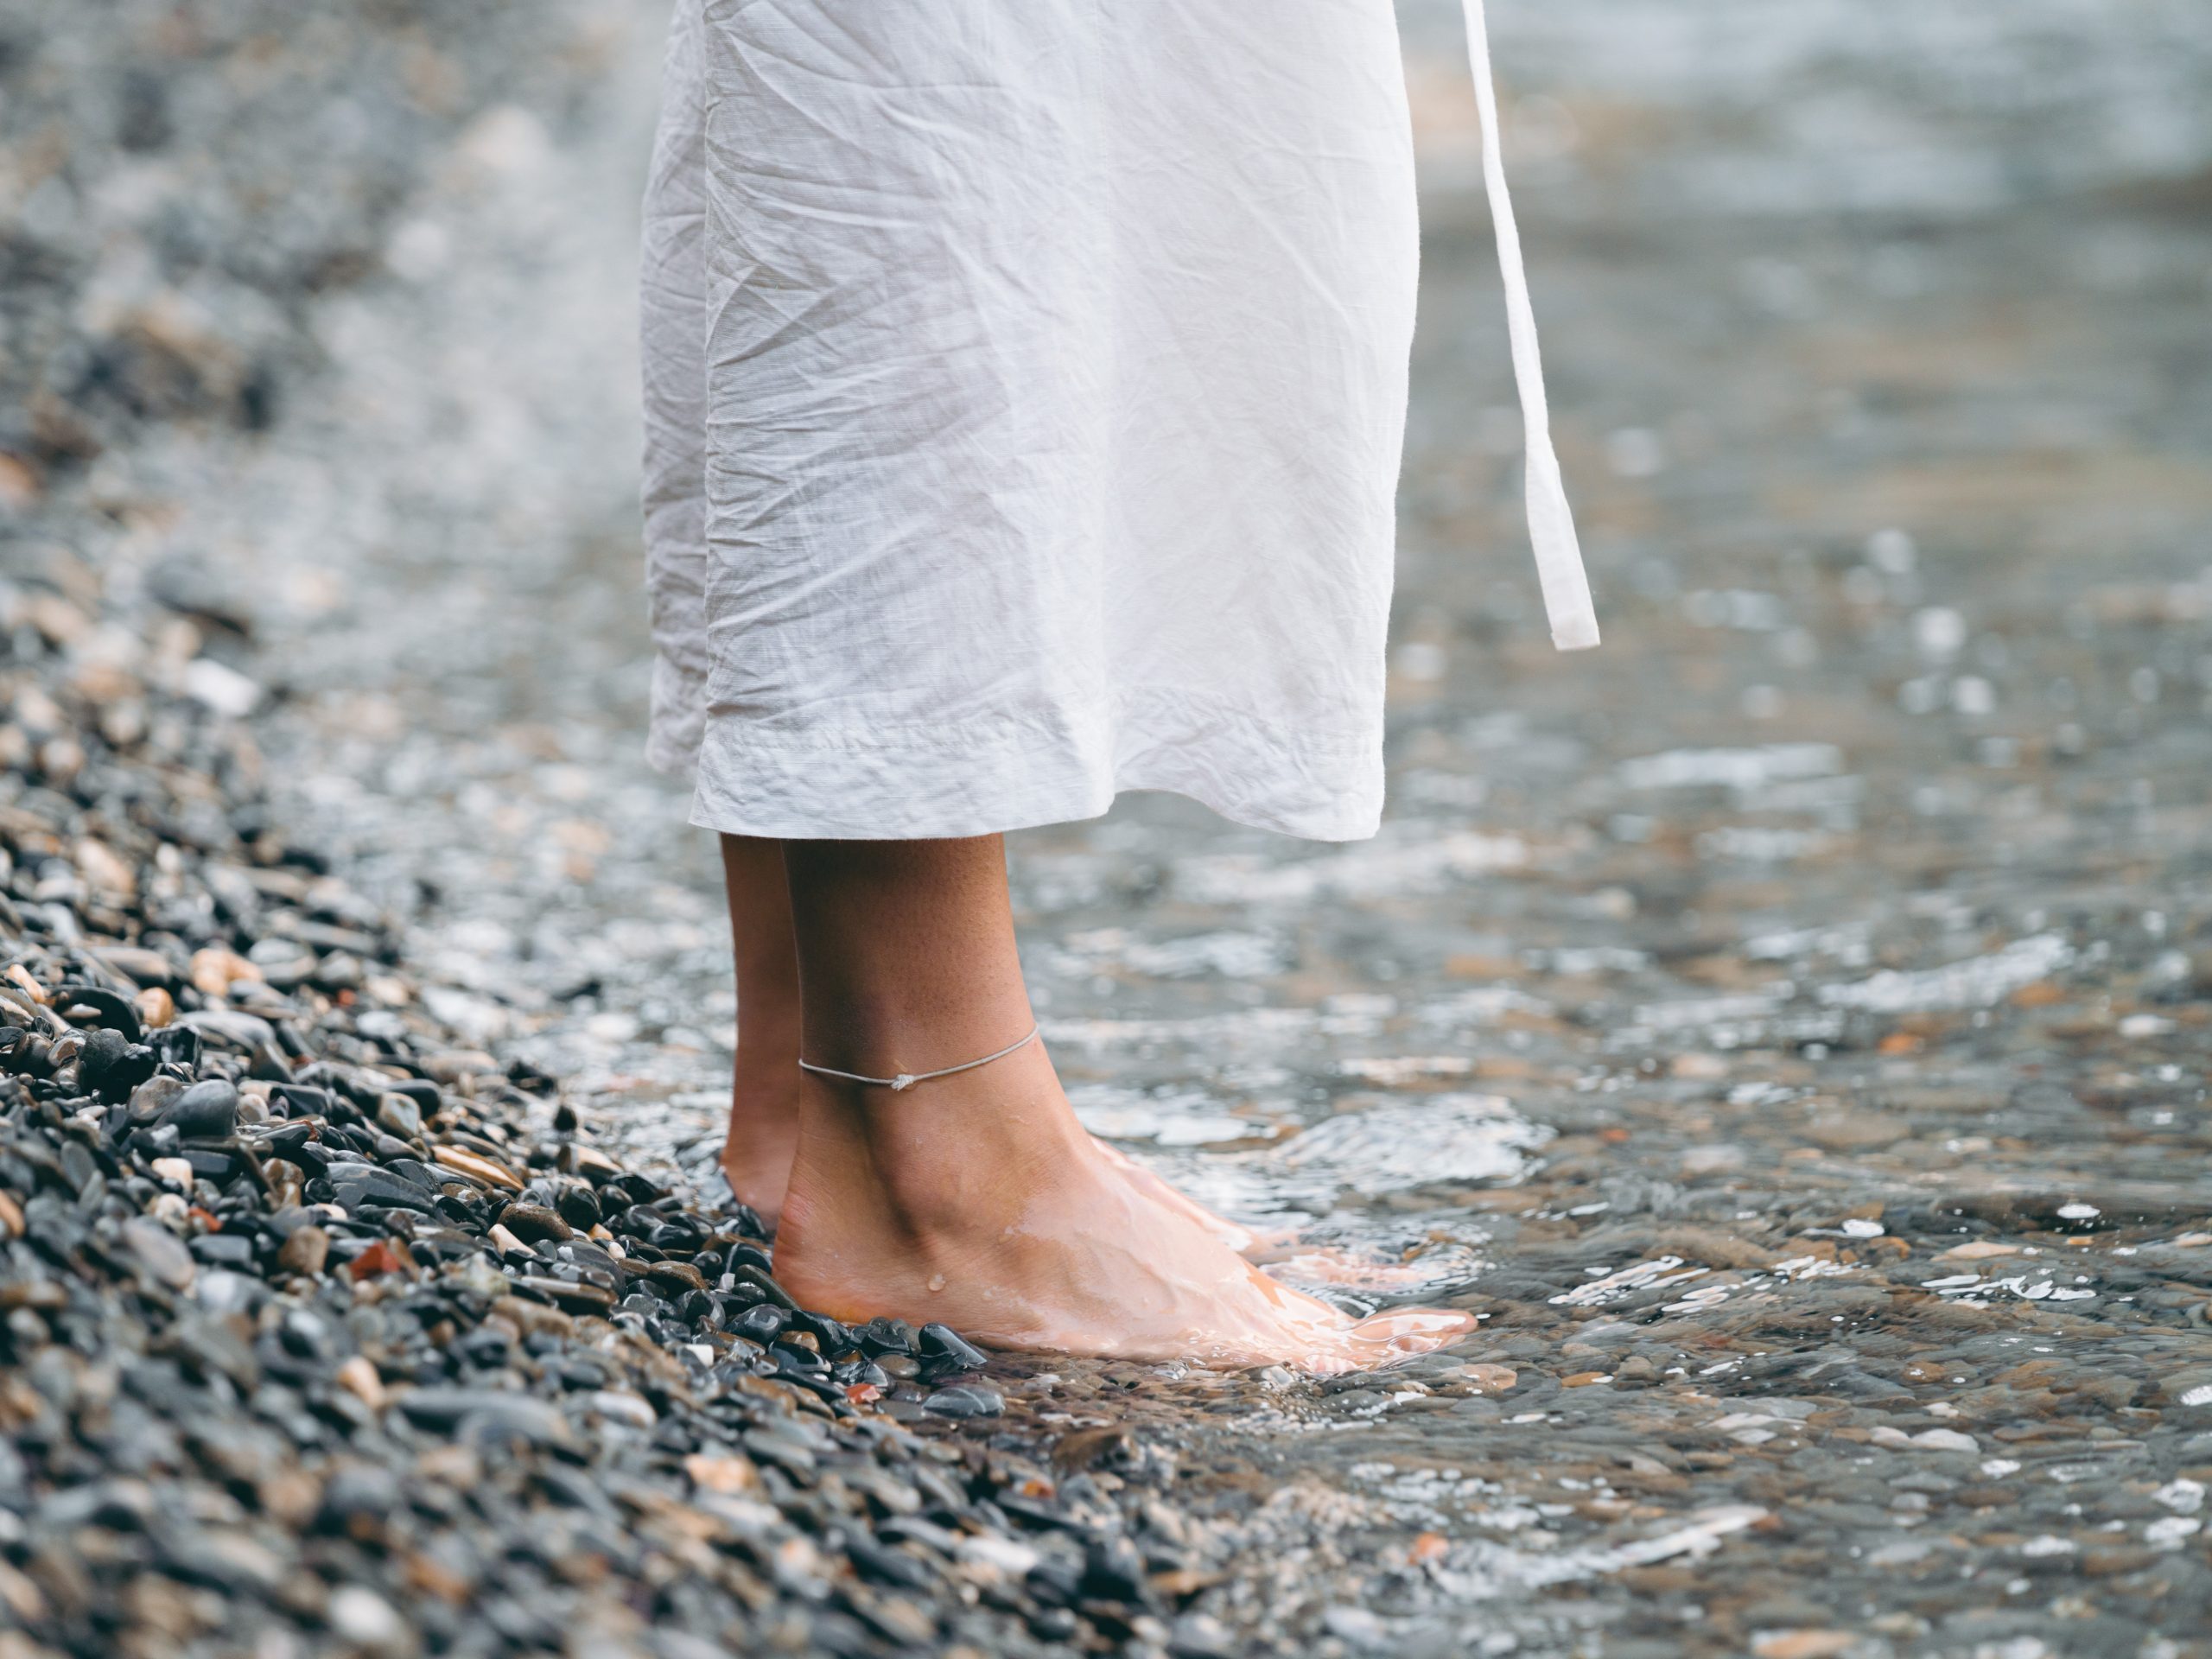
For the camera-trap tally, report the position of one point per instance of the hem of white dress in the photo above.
(832, 787)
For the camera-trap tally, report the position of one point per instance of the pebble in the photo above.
(939, 1345)
(965, 1400)
(305, 1251)
(359, 1615)
(480, 1168)
(358, 1377)
(275, 1235)
(724, 1473)
(530, 1222)
(207, 1111)
(165, 1255)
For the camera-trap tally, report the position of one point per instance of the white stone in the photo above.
(359, 1615)
(2170, 1531)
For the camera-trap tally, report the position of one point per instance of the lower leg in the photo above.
(763, 1132)
(907, 963)
(978, 1198)
(764, 1101)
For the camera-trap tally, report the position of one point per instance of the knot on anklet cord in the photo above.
(905, 1080)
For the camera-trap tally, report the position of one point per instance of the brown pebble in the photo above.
(286, 1185)
(569, 1294)
(290, 1496)
(727, 1475)
(11, 1217)
(156, 1008)
(595, 1165)
(1801, 1644)
(531, 1222)
(305, 1251)
(215, 969)
(98, 863)
(477, 1167)
(1087, 1448)
(358, 1376)
(676, 1277)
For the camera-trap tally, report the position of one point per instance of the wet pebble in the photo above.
(205, 1111)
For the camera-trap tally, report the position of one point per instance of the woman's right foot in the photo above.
(979, 1200)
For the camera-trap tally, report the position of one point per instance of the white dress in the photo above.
(1024, 384)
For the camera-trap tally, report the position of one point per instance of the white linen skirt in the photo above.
(1025, 385)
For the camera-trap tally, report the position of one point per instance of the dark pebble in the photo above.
(965, 1400)
(446, 1408)
(574, 1296)
(206, 1111)
(579, 1207)
(762, 1322)
(941, 1346)
(224, 1249)
(165, 1255)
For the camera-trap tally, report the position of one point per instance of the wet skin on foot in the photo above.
(976, 1197)
(1041, 1239)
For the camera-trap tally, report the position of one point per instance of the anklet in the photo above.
(906, 1080)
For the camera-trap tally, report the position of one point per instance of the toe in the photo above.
(1406, 1333)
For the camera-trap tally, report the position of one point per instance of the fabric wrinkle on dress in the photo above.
(1024, 402)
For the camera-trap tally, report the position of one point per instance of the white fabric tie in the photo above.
(1551, 524)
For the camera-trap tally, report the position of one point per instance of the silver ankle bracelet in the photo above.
(906, 1080)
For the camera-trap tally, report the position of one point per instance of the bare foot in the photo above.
(1275, 1247)
(763, 1138)
(1233, 1235)
(979, 1201)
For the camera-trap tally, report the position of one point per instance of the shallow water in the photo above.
(1699, 995)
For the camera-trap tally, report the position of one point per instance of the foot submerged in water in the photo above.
(1026, 1234)
(760, 1144)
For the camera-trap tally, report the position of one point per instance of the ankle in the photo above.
(941, 1160)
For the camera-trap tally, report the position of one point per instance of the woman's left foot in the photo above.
(762, 1139)
(758, 1149)
(763, 1136)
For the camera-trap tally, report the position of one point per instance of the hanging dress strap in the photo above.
(1551, 524)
